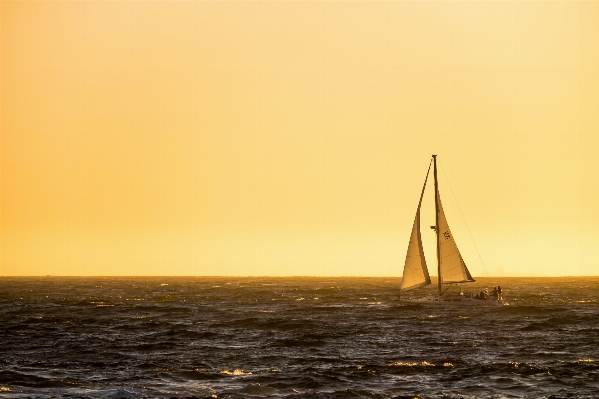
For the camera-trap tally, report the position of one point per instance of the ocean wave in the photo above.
(9, 378)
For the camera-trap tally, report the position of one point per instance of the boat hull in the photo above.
(453, 300)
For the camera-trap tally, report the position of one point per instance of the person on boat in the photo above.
(477, 296)
(482, 295)
(495, 292)
(498, 292)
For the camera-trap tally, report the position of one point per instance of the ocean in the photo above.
(308, 337)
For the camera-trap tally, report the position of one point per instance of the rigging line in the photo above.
(464, 219)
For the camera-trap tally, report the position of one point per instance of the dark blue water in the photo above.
(293, 338)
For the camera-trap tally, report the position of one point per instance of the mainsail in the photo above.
(453, 268)
(415, 272)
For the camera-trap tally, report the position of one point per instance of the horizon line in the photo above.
(250, 276)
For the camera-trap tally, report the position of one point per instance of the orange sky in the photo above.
(292, 138)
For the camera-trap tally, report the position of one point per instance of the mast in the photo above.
(437, 226)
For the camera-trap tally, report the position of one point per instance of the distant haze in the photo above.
(293, 138)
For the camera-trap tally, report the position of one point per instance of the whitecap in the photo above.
(235, 372)
(403, 364)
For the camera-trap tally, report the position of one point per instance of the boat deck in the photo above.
(455, 300)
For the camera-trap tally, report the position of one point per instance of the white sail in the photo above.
(453, 268)
(415, 272)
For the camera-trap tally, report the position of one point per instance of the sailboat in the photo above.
(451, 268)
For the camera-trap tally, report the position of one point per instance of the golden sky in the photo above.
(293, 137)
